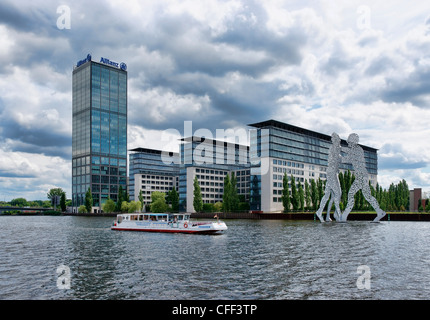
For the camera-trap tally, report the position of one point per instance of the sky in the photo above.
(327, 66)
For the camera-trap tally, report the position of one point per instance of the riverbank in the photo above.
(353, 216)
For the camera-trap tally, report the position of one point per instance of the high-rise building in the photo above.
(99, 138)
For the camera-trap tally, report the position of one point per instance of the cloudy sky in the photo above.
(344, 66)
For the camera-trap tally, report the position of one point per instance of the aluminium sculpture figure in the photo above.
(332, 187)
(355, 156)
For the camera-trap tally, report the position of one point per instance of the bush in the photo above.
(208, 207)
(218, 206)
(109, 206)
(82, 209)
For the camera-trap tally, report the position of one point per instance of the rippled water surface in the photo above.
(254, 259)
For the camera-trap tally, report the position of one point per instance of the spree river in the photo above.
(253, 259)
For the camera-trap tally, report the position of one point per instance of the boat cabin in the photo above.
(167, 217)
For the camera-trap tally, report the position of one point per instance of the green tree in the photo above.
(218, 206)
(307, 195)
(19, 202)
(55, 192)
(141, 197)
(301, 197)
(134, 206)
(109, 206)
(158, 202)
(314, 194)
(120, 199)
(88, 200)
(226, 194)
(174, 199)
(82, 209)
(286, 201)
(295, 199)
(197, 201)
(234, 197)
(63, 202)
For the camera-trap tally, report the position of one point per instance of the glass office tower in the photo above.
(99, 142)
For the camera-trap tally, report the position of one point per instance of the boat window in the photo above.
(133, 217)
(145, 217)
(140, 217)
(180, 217)
(187, 217)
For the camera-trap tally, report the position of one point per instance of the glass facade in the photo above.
(150, 162)
(99, 147)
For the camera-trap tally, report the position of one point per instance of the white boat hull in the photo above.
(171, 227)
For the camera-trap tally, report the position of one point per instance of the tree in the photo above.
(158, 202)
(301, 197)
(88, 200)
(307, 195)
(314, 195)
(174, 199)
(286, 202)
(63, 202)
(19, 202)
(55, 192)
(134, 206)
(141, 197)
(82, 209)
(234, 197)
(109, 206)
(218, 206)
(295, 200)
(197, 201)
(120, 199)
(226, 194)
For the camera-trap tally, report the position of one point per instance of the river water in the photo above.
(253, 259)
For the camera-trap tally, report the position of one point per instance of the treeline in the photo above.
(160, 202)
(307, 197)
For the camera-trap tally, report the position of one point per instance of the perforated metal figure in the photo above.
(355, 156)
(332, 186)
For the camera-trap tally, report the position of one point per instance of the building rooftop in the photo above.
(289, 127)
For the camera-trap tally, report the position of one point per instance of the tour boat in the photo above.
(165, 222)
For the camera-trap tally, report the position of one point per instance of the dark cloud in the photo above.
(415, 88)
(393, 156)
(37, 139)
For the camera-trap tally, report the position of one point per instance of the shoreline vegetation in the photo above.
(355, 215)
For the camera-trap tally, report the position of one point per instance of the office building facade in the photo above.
(149, 173)
(210, 161)
(278, 148)
(99, 138)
